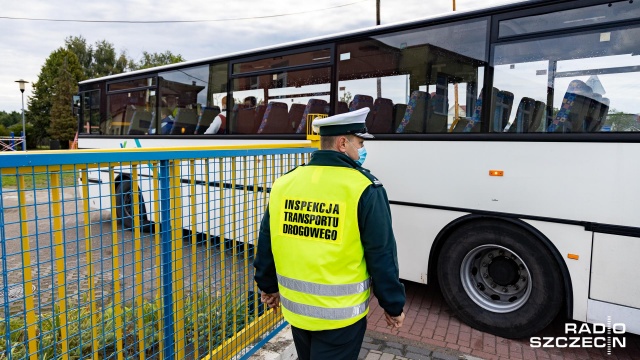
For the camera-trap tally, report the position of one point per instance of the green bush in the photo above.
(207, 308)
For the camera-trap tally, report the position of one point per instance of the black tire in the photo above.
(124, 207)
(499, 278)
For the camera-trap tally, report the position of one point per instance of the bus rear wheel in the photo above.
(124, 207)
(499, 278)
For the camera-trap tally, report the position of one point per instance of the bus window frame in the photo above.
(297, 50)
(535, 10)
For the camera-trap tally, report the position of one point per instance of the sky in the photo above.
(26, 44)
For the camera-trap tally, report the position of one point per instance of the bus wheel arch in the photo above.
(488, 294)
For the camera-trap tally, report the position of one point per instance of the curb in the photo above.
(280, 347)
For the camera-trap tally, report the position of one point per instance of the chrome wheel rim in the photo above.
(495, 278)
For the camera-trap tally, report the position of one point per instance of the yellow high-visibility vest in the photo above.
(322, 275)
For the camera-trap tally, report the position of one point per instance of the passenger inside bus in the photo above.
(218, 125)
(168, 111)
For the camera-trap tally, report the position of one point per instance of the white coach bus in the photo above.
(507, 139)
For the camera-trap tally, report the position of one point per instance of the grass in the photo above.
(37, 181)
(79, 336)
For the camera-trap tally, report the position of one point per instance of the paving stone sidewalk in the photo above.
(378, 346)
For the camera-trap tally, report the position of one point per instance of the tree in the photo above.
(346, 97)
(104, 60)
(621, 121)
(8, 119)
(40, 102)
(156, 59)
(63, 122)
(99, 59)
(78, 45)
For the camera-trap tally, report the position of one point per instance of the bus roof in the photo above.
(434, 19)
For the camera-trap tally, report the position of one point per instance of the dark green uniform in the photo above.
(376, 234)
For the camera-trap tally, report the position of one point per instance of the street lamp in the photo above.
(21, 82)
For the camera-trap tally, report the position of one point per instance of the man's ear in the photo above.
(341, 143)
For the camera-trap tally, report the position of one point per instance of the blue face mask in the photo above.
(362, 154)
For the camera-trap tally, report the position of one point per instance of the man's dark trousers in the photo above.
(338, 344)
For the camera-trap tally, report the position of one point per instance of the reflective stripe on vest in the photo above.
(308, 287)
(324, 313)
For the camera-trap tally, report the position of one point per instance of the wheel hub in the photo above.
(504, 271)
(495, 278)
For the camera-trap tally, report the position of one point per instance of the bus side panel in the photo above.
(415, 230)
(569, 239)
(613, 280)
(99, 189)
(603, 312)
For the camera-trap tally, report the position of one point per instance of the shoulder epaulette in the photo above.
(369, 175)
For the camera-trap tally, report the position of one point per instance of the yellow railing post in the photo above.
(176, 187)
(223, 285)
(28, 276)
(194, 264)
(158, 251)
(137, 241)
(89, 250)
(312, 135)
(58, 236)
(115, 254)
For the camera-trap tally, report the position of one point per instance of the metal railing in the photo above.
(135, 253)
(12, 143)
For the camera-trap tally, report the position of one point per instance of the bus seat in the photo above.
(233, 120)
(604, 110)
(185, 122)
(413, 120)
(360, 101)
(524, 116)
(260, 110)
(574, 108)
(382, 119)
(599, 115)
(398, 114)
(275, 118)
(473, 125)
(314, 106)
(539, 111)
(342, 108)
(295, 115)
(155, 121)
(140, 122)
(383, 111)
(246, 122)
(437, 120)
(206, 118)
(128, 114)
(502, 104)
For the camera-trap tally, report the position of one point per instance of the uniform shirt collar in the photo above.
(331, 158)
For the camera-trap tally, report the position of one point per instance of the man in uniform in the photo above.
(325, 239)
